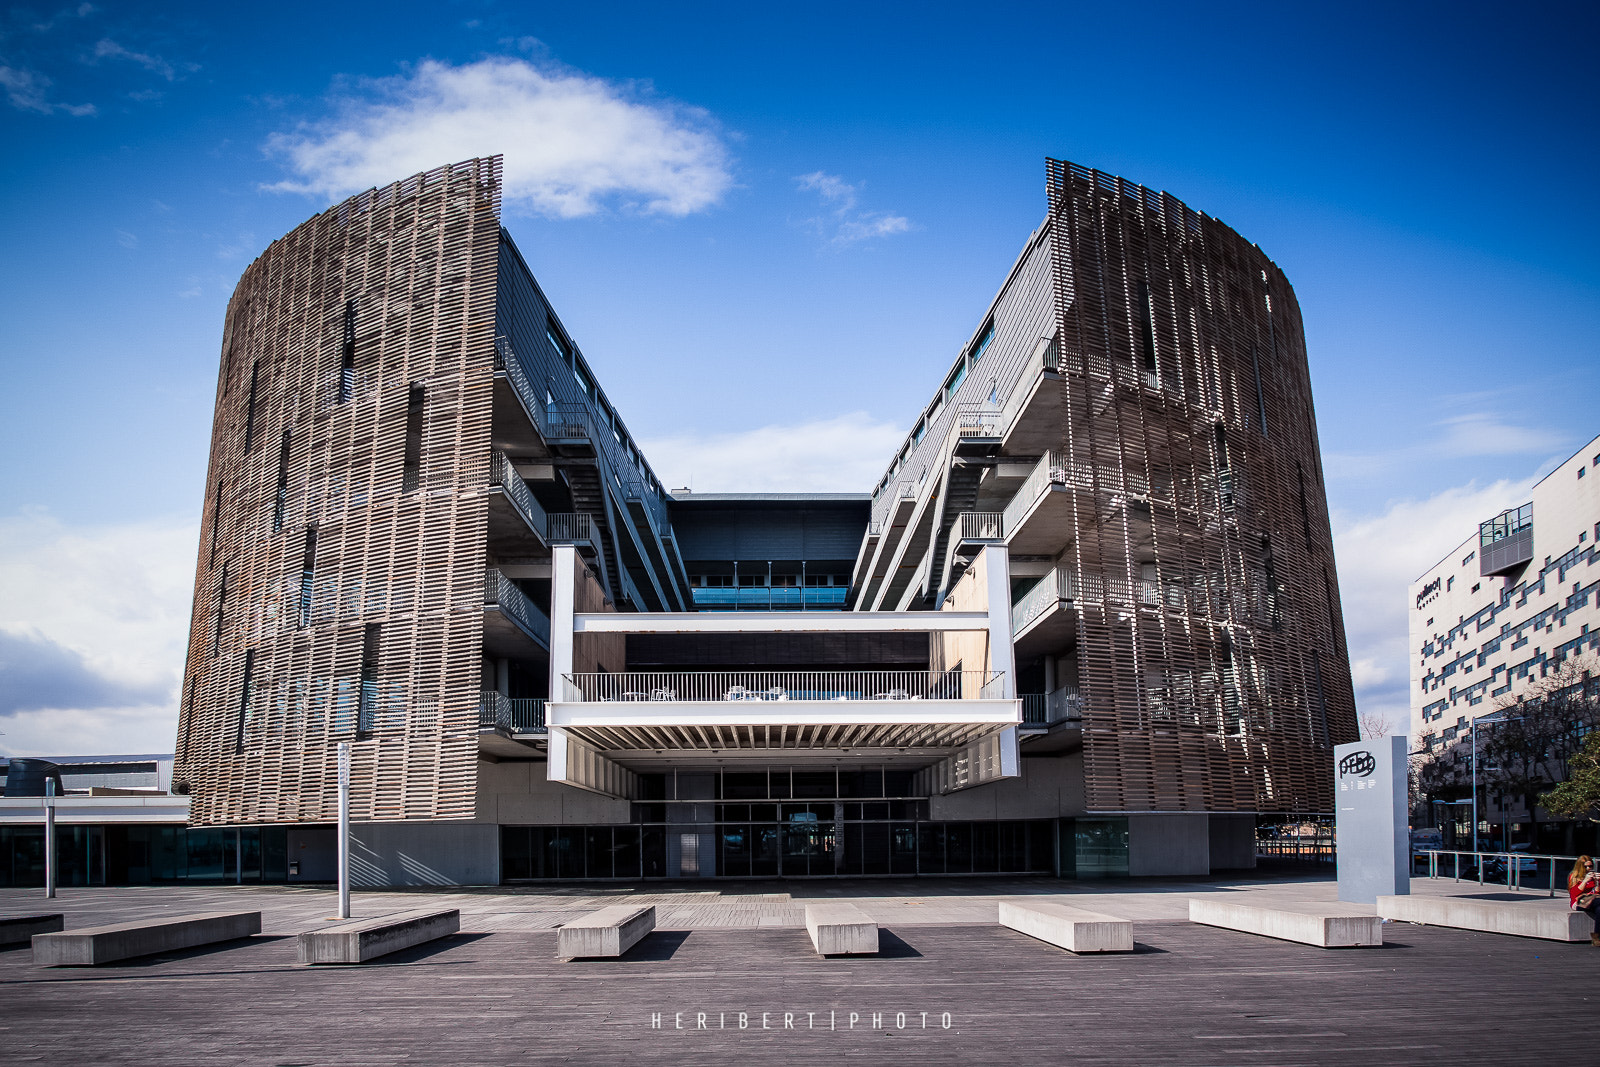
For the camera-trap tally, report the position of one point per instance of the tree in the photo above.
(1373, 725)
(1531, 741)
(1579, 796)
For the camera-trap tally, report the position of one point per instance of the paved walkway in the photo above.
(707, 905)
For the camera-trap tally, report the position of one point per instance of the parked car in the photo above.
(1525, 864)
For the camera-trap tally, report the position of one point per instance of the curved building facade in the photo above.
(1133, 419)
(1091, 625)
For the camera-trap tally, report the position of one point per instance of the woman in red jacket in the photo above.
(1583, 885)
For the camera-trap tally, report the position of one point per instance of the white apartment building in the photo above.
(1511, 603)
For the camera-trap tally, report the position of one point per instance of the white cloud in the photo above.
(844, 224)
(106, 48)
(1478, 433)
(113, 602)
(838, 455)
(1379, 557)
(572, 143)
(28, 90)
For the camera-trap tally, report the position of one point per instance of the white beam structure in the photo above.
(579, 764)
(986, 760)
(778, 622)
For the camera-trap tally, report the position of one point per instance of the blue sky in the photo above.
(770, 232)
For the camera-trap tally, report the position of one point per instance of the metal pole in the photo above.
(49, 838)
(344, 829)
(1475, 790)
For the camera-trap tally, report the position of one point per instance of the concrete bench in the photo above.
(94, 945)
(1553, 922)
(607, 932)
(360, 940)
(1325, 926)
(18, 929)
(841, 930)
(1066, 927)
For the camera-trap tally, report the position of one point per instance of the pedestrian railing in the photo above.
(1452, 867)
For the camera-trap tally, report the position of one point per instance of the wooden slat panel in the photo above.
(420, 260)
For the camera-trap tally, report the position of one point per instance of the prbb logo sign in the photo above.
(1357, 765)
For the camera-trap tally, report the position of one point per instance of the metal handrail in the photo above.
(1513, 870)
(501, 592)
(1050, 470)
(504, 474)
(1046, 709)
(571, 527)
(1059, 584)
(777, 685)
(981, 526)
(516, 714)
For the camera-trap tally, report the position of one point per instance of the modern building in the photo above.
(1086, 623)
(1508, 606)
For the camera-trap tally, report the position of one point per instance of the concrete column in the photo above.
(1002, 658)
(502, 677)
(563, 593)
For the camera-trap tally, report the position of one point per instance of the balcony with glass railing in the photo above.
(828, 687)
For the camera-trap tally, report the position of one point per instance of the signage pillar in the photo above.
(344, 829)
(1371, 819)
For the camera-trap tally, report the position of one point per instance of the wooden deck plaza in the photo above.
(1188, 994)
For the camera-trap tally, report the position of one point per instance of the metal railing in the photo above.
(1047, 709)
(1510, 874)
(777, 685)
(1050, 470)
(981, 526)
(770, 598)
(1057, 585)
(501, 592)
(520, 715)
(977, 421)
(571, 528)
(504, 474)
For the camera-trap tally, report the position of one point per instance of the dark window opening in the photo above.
(1305, 509)
(1261, 397)
(347, 354)
(216, 523)
(557, 341)
(282, 503)
(244, 698)
(308, 576)
(411, 470)
(982, 342)
(1147, 329)
(1333, 615)
(366, 709)
(222, 599)
(250, 408)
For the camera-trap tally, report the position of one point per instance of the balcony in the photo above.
(637, 719)
(1505, 541)
(513, 626)
(1044, 619)
(516, 520)
(574, 528)
(1038, 520)
(1032, 414)
(1049, 709)
(562, 427)
(514, 715)
(770, 598)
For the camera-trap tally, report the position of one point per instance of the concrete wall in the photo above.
(1233, 842)
(432, 853)
(1169, 844)
(520, 794)
(1049, 787)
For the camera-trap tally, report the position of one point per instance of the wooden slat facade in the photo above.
(326, 335)
(1224, 684)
